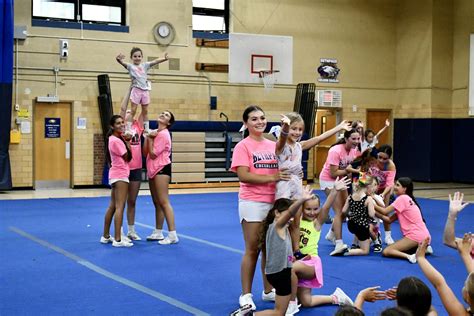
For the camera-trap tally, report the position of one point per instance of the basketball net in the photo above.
(268, 79)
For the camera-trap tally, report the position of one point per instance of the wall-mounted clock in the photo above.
(164, 33)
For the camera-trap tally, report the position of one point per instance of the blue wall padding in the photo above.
(463, 150)
(434, 150)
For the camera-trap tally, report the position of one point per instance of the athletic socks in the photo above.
(146, 125)
(172, 235)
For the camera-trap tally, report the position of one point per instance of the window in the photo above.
(210, 16)
(90, 11)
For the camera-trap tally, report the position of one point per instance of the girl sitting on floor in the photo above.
(412, 225)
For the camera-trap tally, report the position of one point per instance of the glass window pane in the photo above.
(101, 13)
(53, 9)
(211, 4)
(208, 23)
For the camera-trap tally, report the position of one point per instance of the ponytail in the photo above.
(407, 183)
(280, 205)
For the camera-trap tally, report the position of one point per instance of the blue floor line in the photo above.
(110, 275)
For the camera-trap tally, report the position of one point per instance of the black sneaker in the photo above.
(298, 255)
(328, 220)
(354, 246)
(245, 310)
(377, 248)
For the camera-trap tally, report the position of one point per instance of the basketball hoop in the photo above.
(268, 78)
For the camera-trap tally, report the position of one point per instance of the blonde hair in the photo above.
(359, 184)
(469, 288)
(294, 117)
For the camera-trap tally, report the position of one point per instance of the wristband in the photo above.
(282, 132)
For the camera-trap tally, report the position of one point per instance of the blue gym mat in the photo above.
(52, 261)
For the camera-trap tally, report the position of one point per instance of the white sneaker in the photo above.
(412, 258)
(168, 241)
(155, 236)
(293, 308)
(133, 236)
(268, 297)
(121, 243)
(341, 298)
(104, 240)
(247, 299)
(429, 250)
(125, 238)
(339, 250)
(330, 237)
(389, 240)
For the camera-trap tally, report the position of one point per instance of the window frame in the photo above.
(78, 13)
(213, 13)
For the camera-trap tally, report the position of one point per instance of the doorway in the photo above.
(325, 120)
(52, 145)
(376, 121)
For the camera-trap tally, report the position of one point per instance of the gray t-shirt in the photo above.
(138, 73)
(278, 251)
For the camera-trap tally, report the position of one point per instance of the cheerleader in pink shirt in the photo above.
(158, 164)
(409, 215)
(119, 155)
(339, 158)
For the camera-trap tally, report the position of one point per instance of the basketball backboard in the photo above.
(251, 53)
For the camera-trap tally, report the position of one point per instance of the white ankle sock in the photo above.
(388, 233)
(146, 125)
(131, 228)
(172, 234)
(339, 241)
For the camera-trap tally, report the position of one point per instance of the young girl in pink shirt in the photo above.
(158, 164)
(339, 158)
(412, 225)
(119, 155)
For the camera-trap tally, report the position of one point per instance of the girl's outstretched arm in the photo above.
(285, 128)
(384, 210)
(120, 57)
(339, 185)
(159, 60)
(465, 247)
(285, 217)
(456, 205)
(310, 143)
(370, 294)
(449, 300)
(387, 124)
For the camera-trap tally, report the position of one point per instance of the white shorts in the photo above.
(326, 184)
(253, 211)
(112, 181)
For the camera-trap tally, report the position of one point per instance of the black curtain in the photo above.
(6, 76)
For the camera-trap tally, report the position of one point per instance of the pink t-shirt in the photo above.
(260, 158)
(162, 149)
(411, 221)
(120, 168)
(386, 178)
(337, 156)
(136, 146)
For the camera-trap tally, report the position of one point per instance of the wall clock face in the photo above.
(164, 30)
(164, 33)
